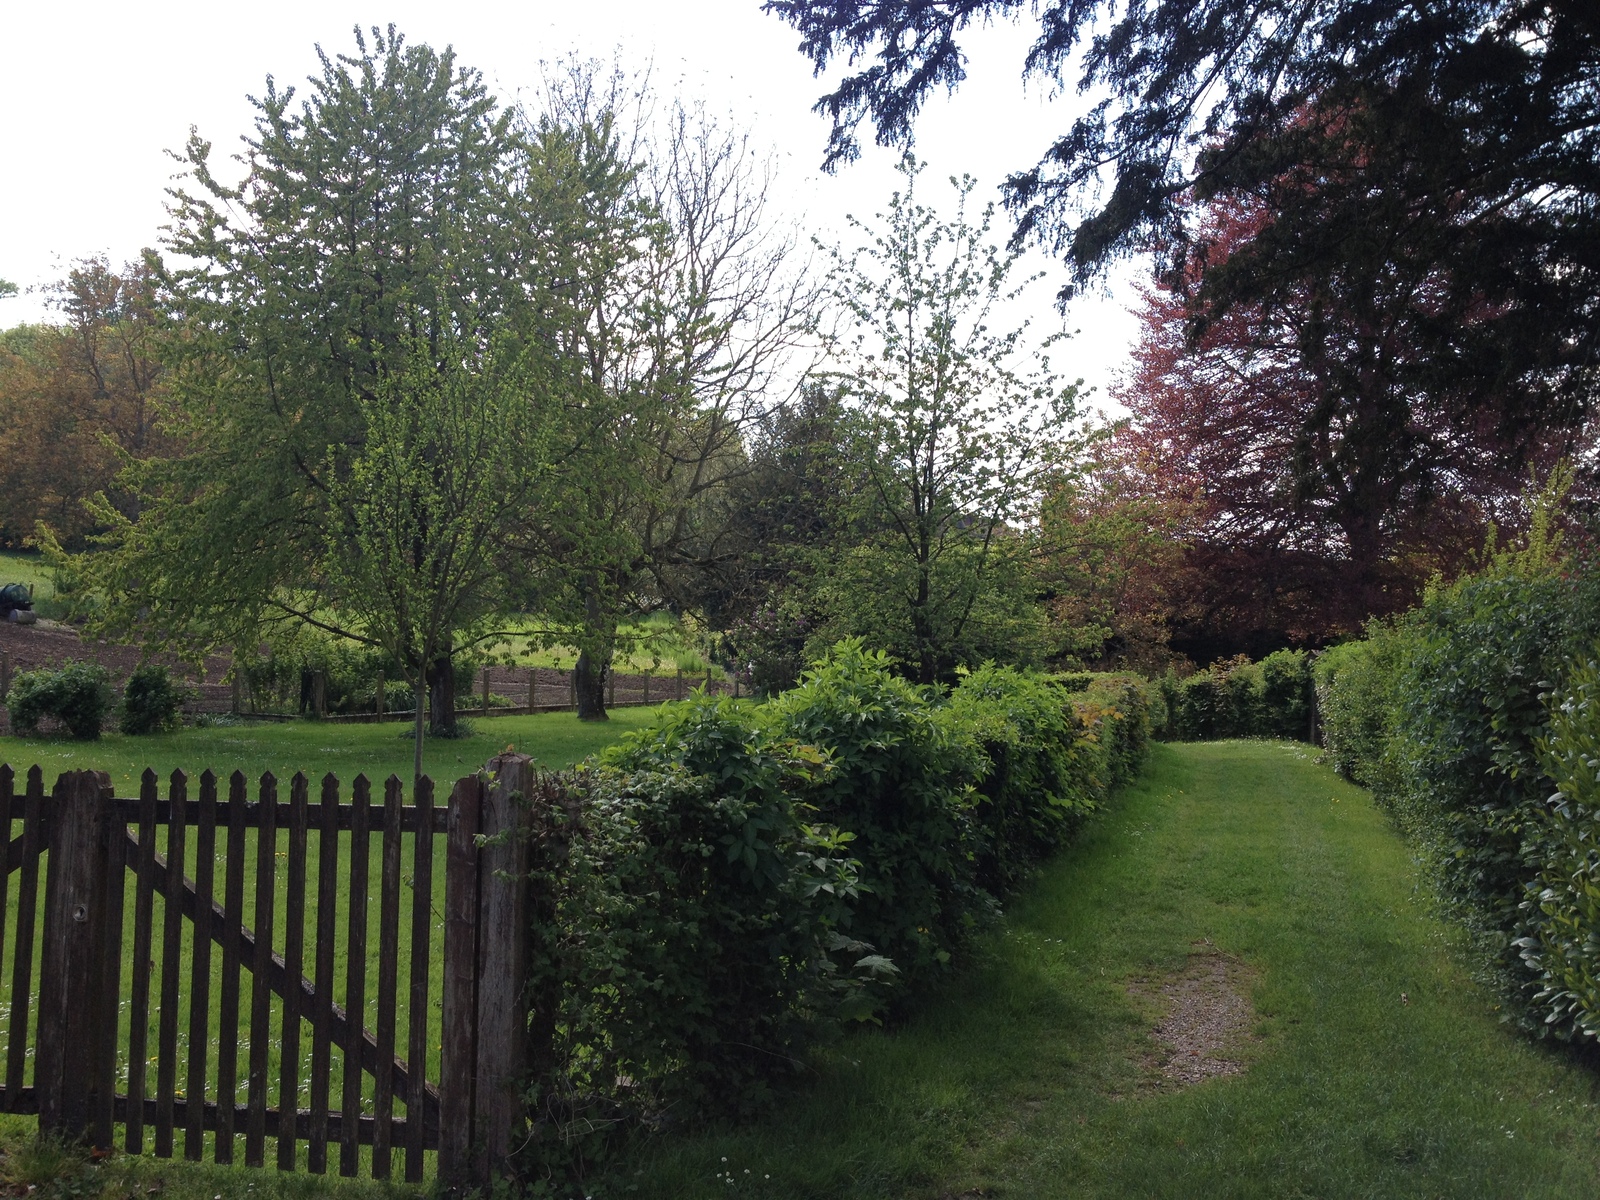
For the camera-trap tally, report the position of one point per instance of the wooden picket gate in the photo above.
(79, 1000)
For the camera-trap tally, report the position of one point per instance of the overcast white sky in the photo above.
(92, 94)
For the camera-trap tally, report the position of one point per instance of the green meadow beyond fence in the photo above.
(226, 966)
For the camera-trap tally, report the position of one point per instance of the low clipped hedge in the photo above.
(744, 879)
(1240, 698)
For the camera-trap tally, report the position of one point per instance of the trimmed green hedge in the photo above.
(1469, 719)
(1240, 698)
(742, 879)
(76, 694)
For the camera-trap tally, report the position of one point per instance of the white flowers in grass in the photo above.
(728, 1178)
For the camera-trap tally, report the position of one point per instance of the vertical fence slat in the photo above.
(355, 991)
(322, 1007)
(8, 779)
(228, 1005)
(110, 991)
(388, 953)
(143, 936)
(171, 949)
(205, 856)
(22, 957)
(255, 1135)
(421, 959)
(294, 942)
(460, 1000)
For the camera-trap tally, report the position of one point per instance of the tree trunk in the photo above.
(591, 676)
(594, 660)
(442, 697)
(922, 626)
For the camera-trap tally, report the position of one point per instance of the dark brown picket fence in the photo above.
(78, 1016)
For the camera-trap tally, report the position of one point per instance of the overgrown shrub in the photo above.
(76, 694)
(706, 903)
(902, 781)
(151, 702)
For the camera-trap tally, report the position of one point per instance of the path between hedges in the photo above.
(1259, 913)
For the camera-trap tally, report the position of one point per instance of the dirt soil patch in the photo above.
(49, 644)
(1206, 1018)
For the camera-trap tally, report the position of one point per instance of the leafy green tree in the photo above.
(952, 424)
(415, 547)
(349, 330)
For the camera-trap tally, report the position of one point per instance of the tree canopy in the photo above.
(1454, 143)
(340, 328)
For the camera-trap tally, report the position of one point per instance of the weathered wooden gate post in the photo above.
(502, 960)
(75, 1060)
(484, 1054)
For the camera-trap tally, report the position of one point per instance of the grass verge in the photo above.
(554, 739)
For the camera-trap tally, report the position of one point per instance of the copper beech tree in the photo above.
(1324, 482)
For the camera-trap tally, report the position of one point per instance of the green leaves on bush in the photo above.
(77, 694)
(1444, 714)
(1562, 903)
(1240, 698)
(902, 781)
(743, 879)
(151, 703)
(706, 901)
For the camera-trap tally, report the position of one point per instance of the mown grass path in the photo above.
(1032, 1075)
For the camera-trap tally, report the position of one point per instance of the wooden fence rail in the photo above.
(333, 1025)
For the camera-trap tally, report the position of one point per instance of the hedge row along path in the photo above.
(1369, 1062)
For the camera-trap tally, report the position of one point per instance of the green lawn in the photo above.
(1031, 1074)
(284, 747)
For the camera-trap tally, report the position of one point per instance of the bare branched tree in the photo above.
(688, 335)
